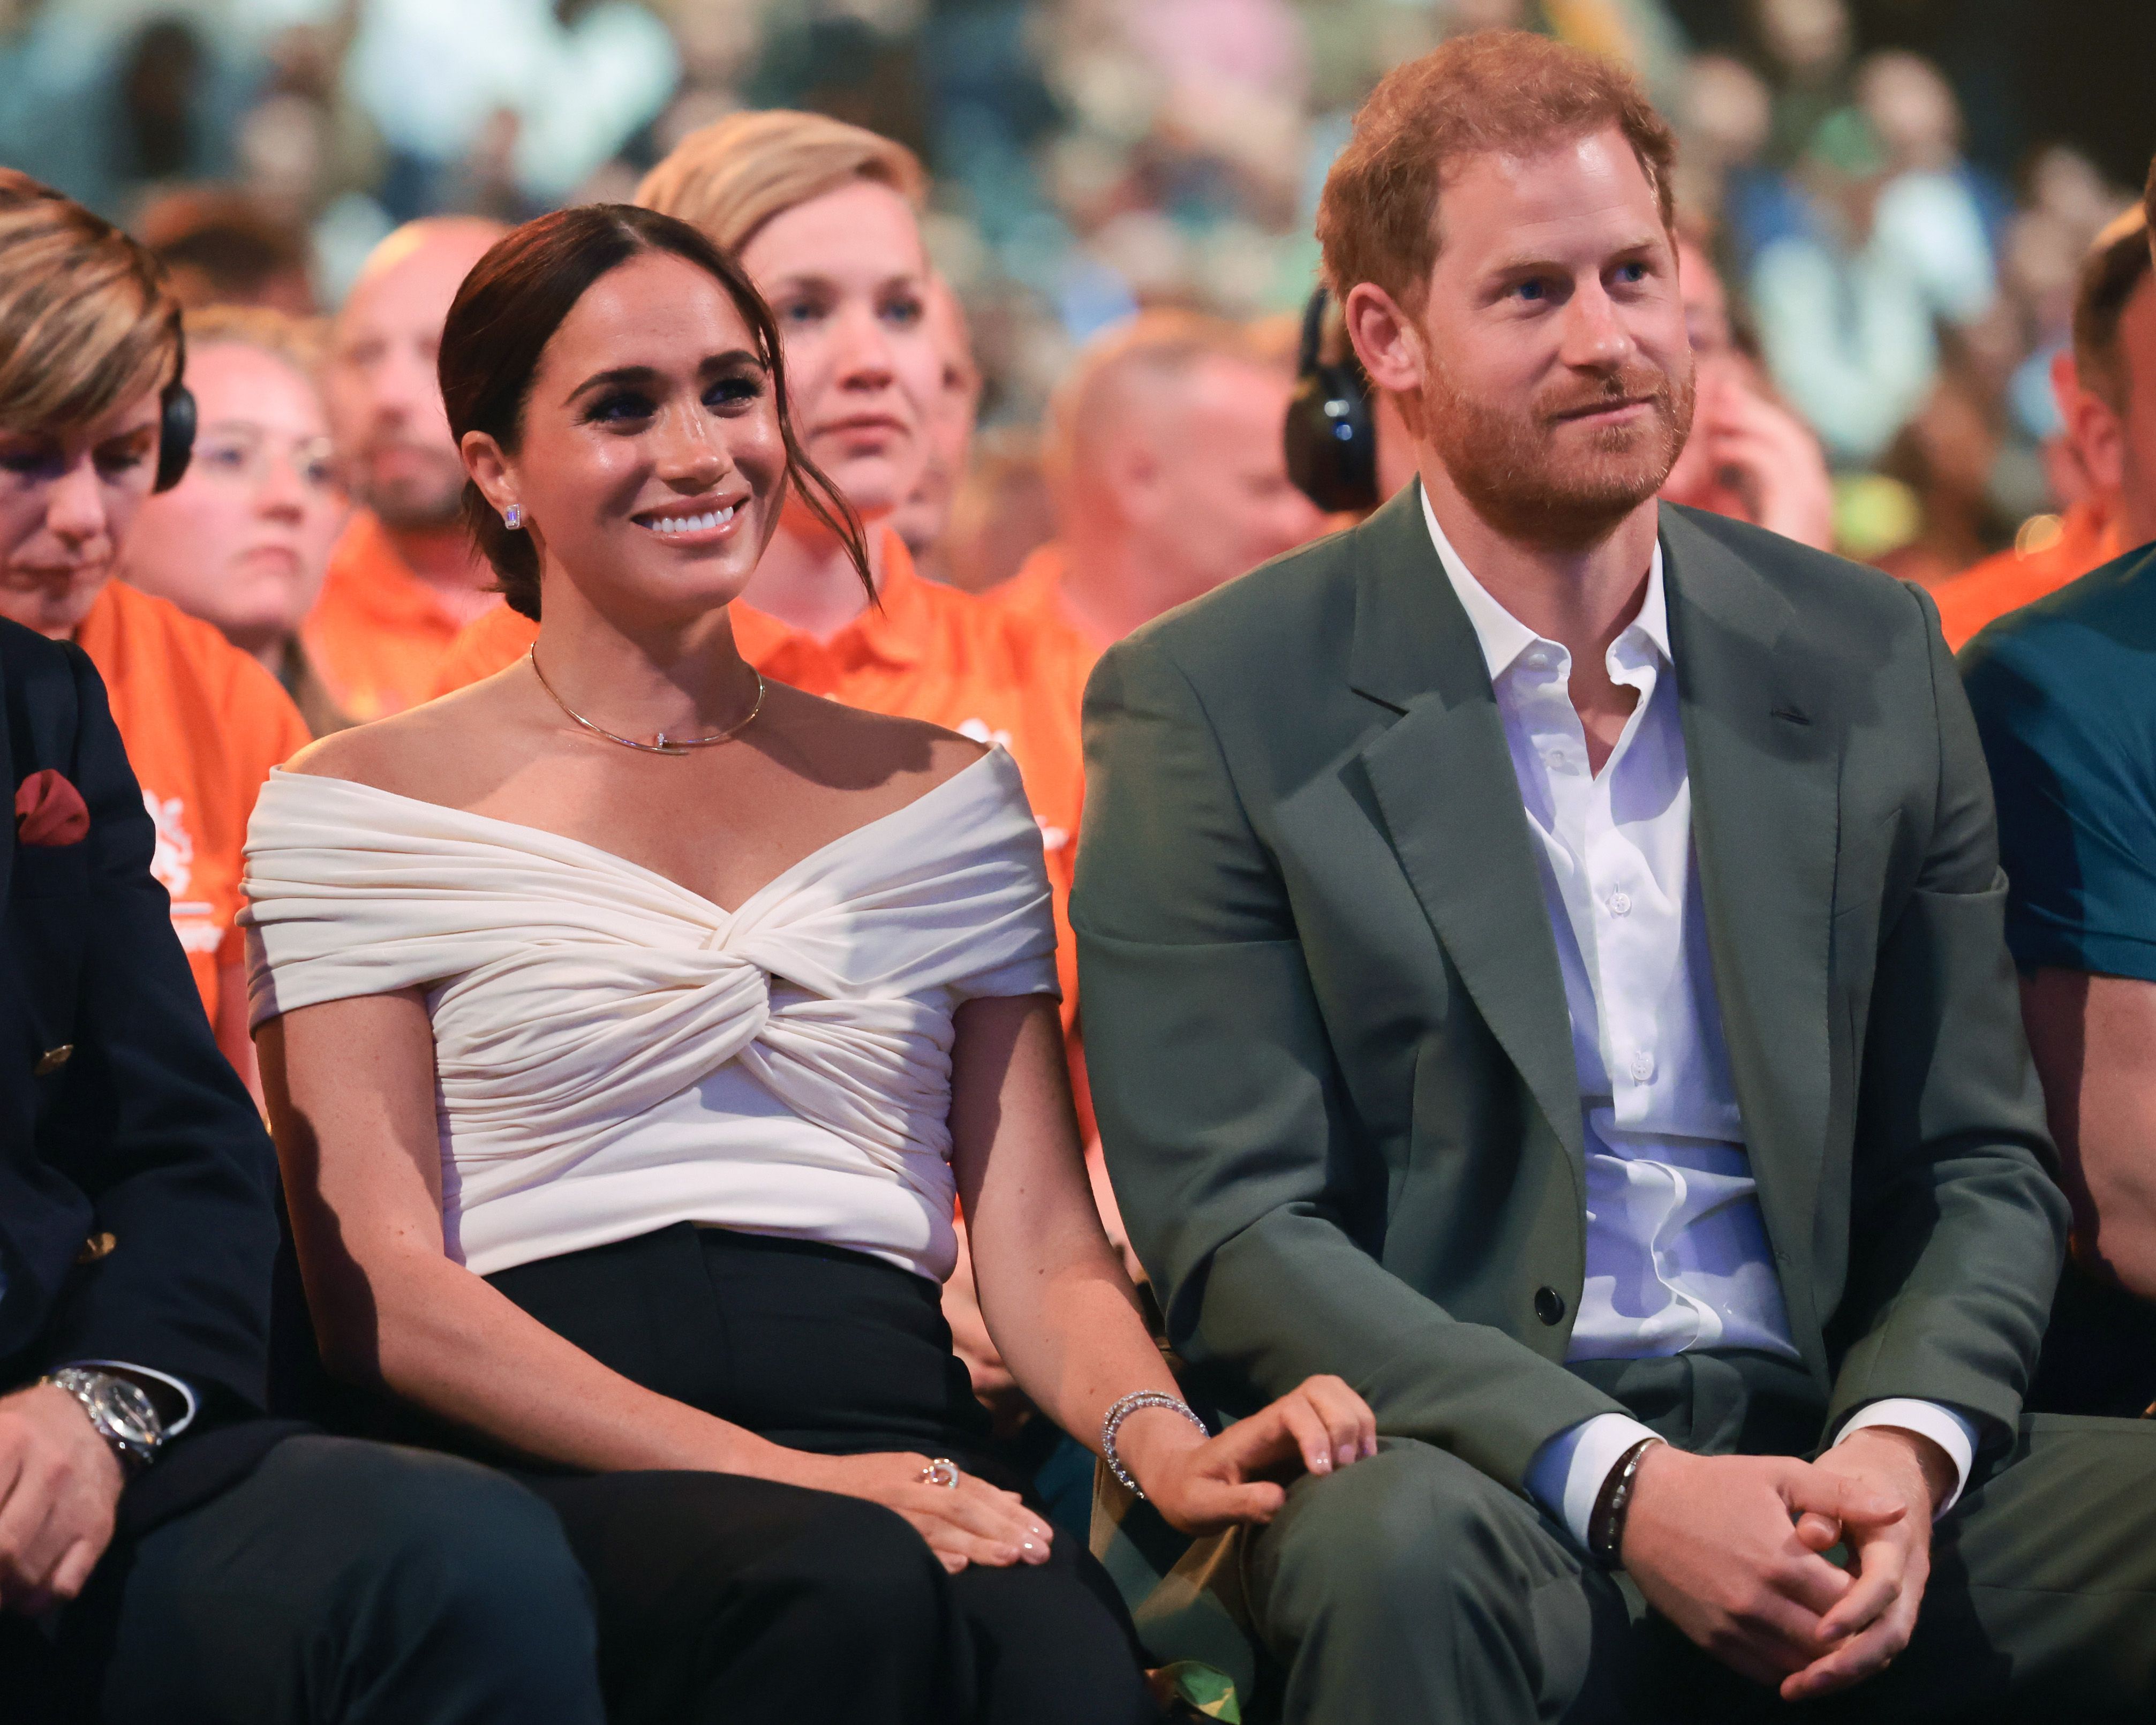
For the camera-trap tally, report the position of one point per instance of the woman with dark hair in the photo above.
(630, 1023)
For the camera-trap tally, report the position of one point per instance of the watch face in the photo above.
(129, 1410)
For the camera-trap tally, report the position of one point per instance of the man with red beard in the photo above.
(1543, 961)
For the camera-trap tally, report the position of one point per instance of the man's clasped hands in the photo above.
(1733, 1550)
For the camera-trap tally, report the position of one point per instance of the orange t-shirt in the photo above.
(1034, 594)
(204, 724)
(2014, 578)
(931, 652)
(377, 635)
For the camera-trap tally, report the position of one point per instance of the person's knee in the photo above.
(431, 1539)
(864, 1564)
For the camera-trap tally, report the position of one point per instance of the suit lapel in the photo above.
(1442, 777)
(1762, 750)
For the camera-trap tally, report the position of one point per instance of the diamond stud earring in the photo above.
(512, 516)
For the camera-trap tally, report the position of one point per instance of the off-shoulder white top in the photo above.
(615, 1054)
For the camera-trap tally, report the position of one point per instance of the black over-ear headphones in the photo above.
(1332, 439)
(176, 426)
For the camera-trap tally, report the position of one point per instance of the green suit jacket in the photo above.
(1327, 1036)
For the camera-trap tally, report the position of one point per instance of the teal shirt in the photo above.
(2065, 696)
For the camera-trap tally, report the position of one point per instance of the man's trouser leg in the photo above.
(358, 1583)
(1411, 1587)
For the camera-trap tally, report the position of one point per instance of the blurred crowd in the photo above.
(1090, 157)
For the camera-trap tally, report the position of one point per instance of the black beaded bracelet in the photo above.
(1605, 1527)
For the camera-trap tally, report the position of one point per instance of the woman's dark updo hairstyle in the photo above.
(507, 311)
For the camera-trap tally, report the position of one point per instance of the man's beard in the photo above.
(426, 495)
(1505, 460)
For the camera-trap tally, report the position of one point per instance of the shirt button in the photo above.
(1621, 904)
(1643, 1066)
(1554, 760)
(1537, 660)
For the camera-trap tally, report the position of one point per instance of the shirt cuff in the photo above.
(1568, 1472)
(190, 1406)
(1945, 1427)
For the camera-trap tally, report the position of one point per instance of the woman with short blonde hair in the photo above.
(93, 417)
(244, 541)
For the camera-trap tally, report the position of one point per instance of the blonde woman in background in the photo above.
(244, 540)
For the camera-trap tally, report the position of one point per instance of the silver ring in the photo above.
(942, 1471)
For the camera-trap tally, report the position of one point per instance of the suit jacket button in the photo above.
(1549, 1305)
(51, 1060)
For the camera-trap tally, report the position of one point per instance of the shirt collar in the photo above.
(377, 580)
(896, 631)
(1503, 637)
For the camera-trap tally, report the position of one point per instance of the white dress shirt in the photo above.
(1677, 1255)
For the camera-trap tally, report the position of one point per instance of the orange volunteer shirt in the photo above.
(1034, 594)
(204, 724)
(2013, 577)
(377, 635)
(931, 652)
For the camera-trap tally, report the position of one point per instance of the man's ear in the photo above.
(488, 469)
(1135, 488)
(1385, 338)
(2093, 426)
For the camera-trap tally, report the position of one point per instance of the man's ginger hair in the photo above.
(732, 177)
(1501, 92)
(87, 322)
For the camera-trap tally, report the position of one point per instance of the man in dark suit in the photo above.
(166, 1552)
(1542, 962)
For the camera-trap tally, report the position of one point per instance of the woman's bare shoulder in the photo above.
(425, 751)
(849, 743)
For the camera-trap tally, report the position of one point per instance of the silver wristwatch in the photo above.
(123, 1412)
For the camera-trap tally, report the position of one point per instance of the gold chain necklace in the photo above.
(662, 744)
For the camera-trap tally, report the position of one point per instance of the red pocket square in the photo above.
(49, 810)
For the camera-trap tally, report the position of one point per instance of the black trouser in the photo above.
(725, 1599)
(339, 1583)
(721, 1598)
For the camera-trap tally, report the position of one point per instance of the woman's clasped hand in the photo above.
(1318, 1427)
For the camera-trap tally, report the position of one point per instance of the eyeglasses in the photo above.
(243, 454)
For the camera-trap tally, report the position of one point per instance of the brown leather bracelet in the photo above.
(1605, 1527)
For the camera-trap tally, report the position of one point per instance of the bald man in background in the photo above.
(1165, 460)
(403, 579)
